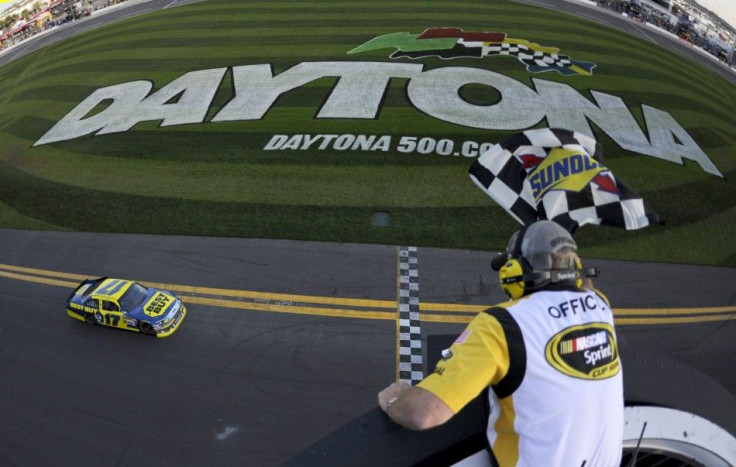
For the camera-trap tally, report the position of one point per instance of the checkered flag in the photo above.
(570, 187)
(538, 60)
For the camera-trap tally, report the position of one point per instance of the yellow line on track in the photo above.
(38, 280)
(277, 297)
(680, 320)
(304, 310)
(44, 272)
(212, 291)
(452, 307)
(675, 311)
(363, 308)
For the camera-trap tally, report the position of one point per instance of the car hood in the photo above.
(156, 306)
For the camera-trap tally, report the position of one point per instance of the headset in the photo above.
(517, 277)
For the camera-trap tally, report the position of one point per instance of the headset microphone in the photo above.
(590, 272)
(498, 261)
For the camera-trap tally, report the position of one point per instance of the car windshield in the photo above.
(133, 297)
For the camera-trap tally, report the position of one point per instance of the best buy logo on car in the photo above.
(157, 304)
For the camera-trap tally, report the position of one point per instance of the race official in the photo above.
(548, 359)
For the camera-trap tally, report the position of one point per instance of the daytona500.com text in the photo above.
(377, 143)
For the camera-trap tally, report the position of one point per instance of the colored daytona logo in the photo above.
(448, 43)
(586, 351)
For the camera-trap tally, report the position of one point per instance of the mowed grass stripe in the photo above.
(280, 119)
(256, 183)
(255, 22)
(41, 88)
(181, 144)
(350, 36)
(159, 54)
(228, 216)
(353, 35)
(676, 97)
(156, 60)
(716, 115)
(39, 198)
(191, 31)
(312, 95)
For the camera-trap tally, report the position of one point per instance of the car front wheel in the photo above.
(90, 318)
(147, 329)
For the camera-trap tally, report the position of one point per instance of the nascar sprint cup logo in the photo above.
(587, 351)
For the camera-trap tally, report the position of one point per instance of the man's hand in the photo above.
(413, 407)
(391, 393)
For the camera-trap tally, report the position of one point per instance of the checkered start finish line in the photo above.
(411, 369)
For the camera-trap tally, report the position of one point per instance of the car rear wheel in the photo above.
(90, 318)
(147, 329)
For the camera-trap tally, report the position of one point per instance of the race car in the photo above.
(125, 304)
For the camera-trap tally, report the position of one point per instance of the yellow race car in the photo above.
(124, 304)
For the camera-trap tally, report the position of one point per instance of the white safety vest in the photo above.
(556, 389)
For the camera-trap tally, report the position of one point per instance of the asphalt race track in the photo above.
(284, 341)
(254, 377)
(231, 387)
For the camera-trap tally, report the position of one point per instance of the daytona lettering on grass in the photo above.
(376, 143)
(359, 94)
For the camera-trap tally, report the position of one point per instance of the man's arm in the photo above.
(413, 407)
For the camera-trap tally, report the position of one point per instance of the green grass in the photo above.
(216, 179)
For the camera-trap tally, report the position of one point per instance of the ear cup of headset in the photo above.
(511, 277)
(579, 267)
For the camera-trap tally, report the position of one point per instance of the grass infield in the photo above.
(216, 179)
